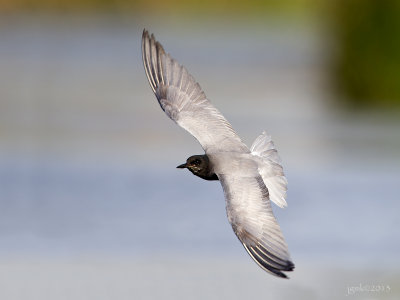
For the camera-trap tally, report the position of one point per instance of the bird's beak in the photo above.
(182, 166)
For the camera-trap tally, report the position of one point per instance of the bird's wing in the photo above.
(182, 99)
(270, 168)
(250, 214)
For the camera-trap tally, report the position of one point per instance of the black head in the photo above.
(199, 165)
(195, 164)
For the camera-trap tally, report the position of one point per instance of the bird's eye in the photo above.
(197, 162)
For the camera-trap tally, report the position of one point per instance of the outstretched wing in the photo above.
(250, 214)
(182, 99)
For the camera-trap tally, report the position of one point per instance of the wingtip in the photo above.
(280, 274)
(272, 264)
(145, 37)
(283, 275)
(145, 33)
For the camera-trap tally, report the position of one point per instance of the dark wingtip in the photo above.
(144, 33)
(282, 275)
(269, 262)
(289, 268)
(290, 265)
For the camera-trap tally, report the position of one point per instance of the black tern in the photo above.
(250, 178)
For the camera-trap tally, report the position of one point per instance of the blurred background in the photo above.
(91, 205)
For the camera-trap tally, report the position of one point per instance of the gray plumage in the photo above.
(250, 178)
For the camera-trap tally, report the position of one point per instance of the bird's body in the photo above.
(250, 177)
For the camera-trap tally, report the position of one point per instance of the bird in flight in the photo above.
(250, 178)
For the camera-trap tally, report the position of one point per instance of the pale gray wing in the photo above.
(182, 99)
(249, 211)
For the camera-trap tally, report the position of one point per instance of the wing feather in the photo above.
(250, 214)
(183, 100)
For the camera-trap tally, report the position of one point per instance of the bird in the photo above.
(250, 177)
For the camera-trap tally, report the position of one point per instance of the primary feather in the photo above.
(182, 99)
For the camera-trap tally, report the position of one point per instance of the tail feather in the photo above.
(270, 168)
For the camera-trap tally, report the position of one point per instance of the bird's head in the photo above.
(195, 164)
